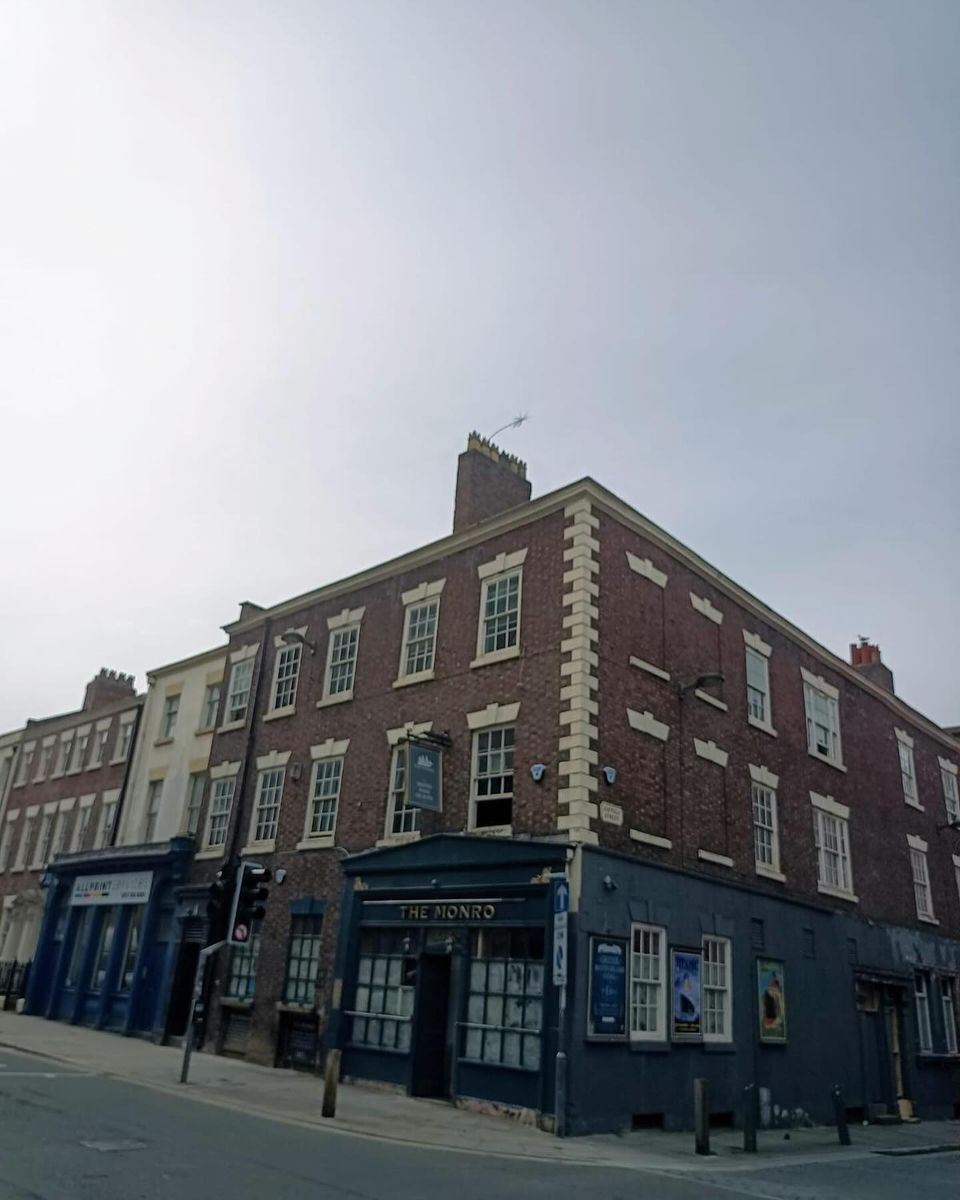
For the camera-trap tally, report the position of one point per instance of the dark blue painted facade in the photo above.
(836, 966)
(110, 966)
(848, 983)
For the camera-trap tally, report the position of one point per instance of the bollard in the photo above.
(840, 1112)
(701, 1116)
(750, 1118)
(331, 1077)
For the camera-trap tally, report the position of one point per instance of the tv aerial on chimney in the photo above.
(514, 424)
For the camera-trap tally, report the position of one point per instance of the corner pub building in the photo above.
(759, 838)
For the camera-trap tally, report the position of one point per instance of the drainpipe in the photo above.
(128, 771)
(250, 748)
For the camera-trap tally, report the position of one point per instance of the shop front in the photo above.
(445, 977)
(105, 953)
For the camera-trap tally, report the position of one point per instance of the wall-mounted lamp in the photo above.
(609, 775)
(609, 883)
(709, 680)
(537, 772)
(290, 637)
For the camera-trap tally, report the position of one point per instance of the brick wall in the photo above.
(660, 626)
(533, 679)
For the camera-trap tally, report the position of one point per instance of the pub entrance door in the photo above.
(433, 1042)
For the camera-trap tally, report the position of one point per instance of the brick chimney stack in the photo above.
(866, 658)
(106, 688)
(489, 481)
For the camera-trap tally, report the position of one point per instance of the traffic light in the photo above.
(219, 898)
(249, 901)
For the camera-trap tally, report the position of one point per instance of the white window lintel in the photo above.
(493, 714)
(646, 722)
(331, 748)
(276, 758)
(760, 774)
(820, 684)
(279, 642)
(410, 729)
(345, 618)
(829, 805)
(916, 843)
(502, 563)
(224, 770)
(711, 751)
(703, 606)
(644, 567)
(756, 642)
(904, 737)
(423, 591)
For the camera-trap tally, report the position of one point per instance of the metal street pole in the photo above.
(561, 906)
(205, 954)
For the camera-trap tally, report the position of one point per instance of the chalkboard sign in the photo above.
(608, 988)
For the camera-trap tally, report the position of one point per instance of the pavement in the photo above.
(385, 1116)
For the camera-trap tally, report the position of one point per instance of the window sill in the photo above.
(914, 804)
(276, 714)
(339, 698)
(51, 776)
(721, 860)
(94, 766)
(399, 839)
(651, 839)
(116, 762)
(493, 831)
(837, 766)
(496, 656)
(165, 741)
(761, 725)
(203, 729)
(229, 726)
(236, 1003)
(410, 680)
(77, 771)
(711, 700)
(210, 852)
(317, 843)
(770, 873)
(827, 889)
(649, 668)
(927, 920)
(300, 1010)
(258, 848)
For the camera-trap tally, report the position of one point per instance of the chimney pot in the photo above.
(867, 660)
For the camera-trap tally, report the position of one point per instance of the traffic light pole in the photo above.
(206, 953)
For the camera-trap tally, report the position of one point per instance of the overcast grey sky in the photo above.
(264, 265)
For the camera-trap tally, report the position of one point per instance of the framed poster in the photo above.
(685, 971)
(771, 1000)
(607, 1008)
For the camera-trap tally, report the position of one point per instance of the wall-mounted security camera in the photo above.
(280, 874)
(609, 774)
(538, 770)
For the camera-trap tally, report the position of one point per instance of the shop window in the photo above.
(131, 950)
(102, 961)
(921, 984)
(77, 951)
(505, 998)
(242, 976)
(303, 960)
(383, 1005)
(493, 777)
(948, 1000)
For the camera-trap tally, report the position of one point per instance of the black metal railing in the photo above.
(14, 977)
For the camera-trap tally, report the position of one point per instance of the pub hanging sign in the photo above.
(424, 777)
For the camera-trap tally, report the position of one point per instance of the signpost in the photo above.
(561, 911)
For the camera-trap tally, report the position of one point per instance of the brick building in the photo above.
(756, 835)
(107, 951)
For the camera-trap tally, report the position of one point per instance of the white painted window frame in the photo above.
(726, 1034)
(814, 685)
(660, 1033)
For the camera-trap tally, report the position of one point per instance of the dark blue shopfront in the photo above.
(107, 947)
(446, 981)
